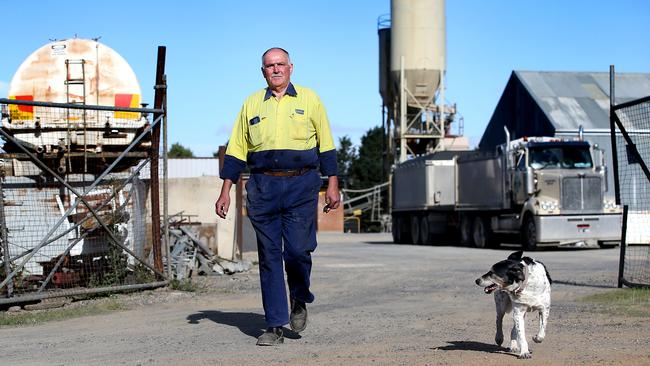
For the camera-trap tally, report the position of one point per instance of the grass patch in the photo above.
(630, 302)
(186, 285)
(41, 316)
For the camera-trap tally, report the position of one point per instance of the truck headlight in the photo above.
(548, 205)
(608, 205)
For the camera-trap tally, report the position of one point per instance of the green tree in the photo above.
(179, 151)
(367, 169)
(345, 155)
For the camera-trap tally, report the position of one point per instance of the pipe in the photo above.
(581, 132)
(68, 293)
(79, 106)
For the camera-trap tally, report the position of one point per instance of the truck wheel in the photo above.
(415, 229)
(529, 234)
(396, 230)
(481, 234)
(465, 231)
(425, 232)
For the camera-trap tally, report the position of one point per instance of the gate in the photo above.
(630, 134)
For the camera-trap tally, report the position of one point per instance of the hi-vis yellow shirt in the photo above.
(290, 133)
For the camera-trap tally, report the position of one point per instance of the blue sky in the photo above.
(214, 48)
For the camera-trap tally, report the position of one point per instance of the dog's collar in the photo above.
(523, 284)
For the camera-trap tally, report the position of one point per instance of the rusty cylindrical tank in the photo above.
(74, 71)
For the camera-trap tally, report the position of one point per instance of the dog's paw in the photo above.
(538, 339)
(498, 339)
(513, 350)
(514, 347)
(525, 356)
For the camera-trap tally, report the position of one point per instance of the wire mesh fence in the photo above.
(75, 207)
(631, 129)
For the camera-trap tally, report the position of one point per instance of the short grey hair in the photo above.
(275, 48)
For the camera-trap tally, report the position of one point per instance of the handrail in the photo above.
(365, 189)
(369, 200)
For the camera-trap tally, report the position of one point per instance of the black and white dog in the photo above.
(522, 284)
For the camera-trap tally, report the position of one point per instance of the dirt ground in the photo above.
(376, 304)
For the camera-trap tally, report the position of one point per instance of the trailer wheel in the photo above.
(396, 230)
(529, 234)
(415, 229)
(425, 231)
(481, 233)
(465, 231)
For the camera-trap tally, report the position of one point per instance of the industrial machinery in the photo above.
(549, 191)
(79, 185)
(412, 59)
(75, 72)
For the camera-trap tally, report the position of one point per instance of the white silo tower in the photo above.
(412, 74)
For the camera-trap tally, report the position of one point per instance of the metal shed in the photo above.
(551, 103)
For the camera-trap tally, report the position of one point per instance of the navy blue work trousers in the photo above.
(283, 213)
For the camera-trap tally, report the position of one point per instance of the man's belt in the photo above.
(286, 172)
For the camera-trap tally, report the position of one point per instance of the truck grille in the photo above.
(582, 193)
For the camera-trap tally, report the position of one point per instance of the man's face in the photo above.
(277, 69)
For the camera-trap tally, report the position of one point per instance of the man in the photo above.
(283, 134)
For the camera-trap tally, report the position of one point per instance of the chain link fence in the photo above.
(75, 209)
(630, 129)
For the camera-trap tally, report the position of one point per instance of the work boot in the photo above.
(298, 317)
(272, 337)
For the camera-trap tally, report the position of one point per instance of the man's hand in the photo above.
(223, 203)
(332, 195)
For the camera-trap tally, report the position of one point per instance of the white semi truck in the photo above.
(546, 191)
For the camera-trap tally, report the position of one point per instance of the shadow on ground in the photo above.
(471, 346)
(251, 324)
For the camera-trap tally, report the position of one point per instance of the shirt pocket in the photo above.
(256, 133)
(298, 128)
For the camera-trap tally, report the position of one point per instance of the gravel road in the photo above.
(376, 304)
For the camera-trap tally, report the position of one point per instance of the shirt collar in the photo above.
(291, 90)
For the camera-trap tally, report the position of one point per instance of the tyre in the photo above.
(465, 231)
(529, 234)
(415, 229)
(396, 230)
(425, 231)
(404, 226)
(481, 233)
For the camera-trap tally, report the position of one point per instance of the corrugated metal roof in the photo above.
(571, 99)
(553, 103)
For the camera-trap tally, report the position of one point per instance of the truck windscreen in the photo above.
(560, 157)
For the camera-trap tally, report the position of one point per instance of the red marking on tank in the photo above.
(25, 108)
(123, 100)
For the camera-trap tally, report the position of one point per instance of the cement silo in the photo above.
(418, 45)
(412, 52)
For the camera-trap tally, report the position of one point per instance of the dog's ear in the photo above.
(516, 274)
(516, 256)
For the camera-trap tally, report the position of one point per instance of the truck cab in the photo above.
(560, 191)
